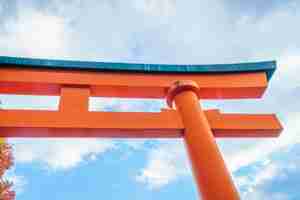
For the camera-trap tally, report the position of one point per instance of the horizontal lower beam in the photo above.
(165, 124)
(247, 125)
(130, 85)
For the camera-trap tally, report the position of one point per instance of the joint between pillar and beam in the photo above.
(180, 86)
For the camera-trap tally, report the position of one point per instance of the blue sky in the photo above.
(156, 31)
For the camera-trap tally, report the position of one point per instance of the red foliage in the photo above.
(5, 191)
(6, 161)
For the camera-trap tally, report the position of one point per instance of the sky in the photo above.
(156, 31)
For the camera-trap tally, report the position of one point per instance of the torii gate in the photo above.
(182, 85)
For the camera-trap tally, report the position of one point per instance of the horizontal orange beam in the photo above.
(131, 85)
(165, 124)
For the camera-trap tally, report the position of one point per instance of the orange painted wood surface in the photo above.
(131, 85)
(165, 124)
(213, 179)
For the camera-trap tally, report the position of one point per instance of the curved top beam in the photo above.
(267, 66)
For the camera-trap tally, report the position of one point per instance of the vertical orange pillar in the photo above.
(213, 179)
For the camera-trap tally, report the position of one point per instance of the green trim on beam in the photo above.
(266, 66)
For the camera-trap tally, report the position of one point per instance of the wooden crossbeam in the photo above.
(165, 124)
(130, 84)
(74, 120)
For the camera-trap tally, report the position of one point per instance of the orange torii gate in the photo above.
(181, 85)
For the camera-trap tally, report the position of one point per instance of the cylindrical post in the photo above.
(213, 178)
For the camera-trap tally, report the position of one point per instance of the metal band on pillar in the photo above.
(213, 178)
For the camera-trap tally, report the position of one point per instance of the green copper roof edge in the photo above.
(266, 66)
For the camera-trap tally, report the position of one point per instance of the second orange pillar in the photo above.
(213, 178)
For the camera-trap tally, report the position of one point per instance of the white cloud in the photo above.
(150, 31)
(60, 154)
(266, 173)
(259, 195)
(136, 144)
(263, 178)
(34, 34)
(29, 102)
(165, 164)
(287, 73)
